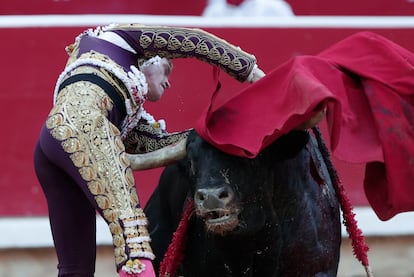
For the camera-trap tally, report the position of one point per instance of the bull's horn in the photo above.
(158, 158)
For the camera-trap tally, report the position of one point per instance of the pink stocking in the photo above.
(148, 272)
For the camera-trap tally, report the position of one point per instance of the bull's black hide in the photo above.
(275, 215)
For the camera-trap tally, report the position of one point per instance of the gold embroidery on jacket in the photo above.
(79, 121)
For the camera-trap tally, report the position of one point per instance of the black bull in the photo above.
(275, 215)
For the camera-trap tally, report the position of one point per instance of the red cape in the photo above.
(367, 84)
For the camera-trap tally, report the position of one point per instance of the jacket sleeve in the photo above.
(147, 137)
(176, 42)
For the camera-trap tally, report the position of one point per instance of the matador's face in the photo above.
(157, 75)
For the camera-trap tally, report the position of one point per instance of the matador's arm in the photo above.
(176, 42)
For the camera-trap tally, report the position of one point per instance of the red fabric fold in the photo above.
(367, 84)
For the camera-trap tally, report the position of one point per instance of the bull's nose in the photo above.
(213, 198)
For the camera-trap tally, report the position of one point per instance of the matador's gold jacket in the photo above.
(134, 43)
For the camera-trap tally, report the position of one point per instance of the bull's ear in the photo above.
(288, 146)
(192, 147)
(192, 137)
(194, 143)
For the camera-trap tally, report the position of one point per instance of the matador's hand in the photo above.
(256, 74)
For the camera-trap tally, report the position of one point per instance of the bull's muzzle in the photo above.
(217, 207)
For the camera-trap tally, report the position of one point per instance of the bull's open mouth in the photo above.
(215, 217)
(220, 221)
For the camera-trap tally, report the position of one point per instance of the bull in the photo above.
(274, 215)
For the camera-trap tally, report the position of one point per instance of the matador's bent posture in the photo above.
(80, 158)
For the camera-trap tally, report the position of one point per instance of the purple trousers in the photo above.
(71, 208)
